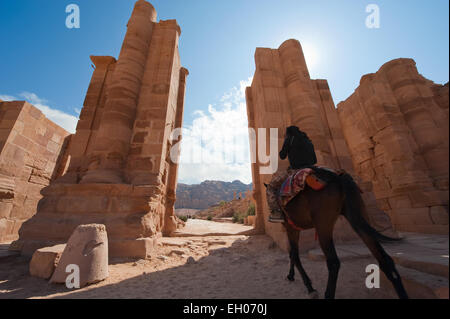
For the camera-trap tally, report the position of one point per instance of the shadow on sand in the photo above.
(250, 268)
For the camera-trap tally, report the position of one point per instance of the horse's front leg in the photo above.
(294, 236)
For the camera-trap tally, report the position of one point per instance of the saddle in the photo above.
(314, 177)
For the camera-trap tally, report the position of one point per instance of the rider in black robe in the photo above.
(299, 149)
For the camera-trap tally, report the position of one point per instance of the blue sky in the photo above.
(46, 63)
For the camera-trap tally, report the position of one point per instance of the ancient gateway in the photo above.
(391, 134)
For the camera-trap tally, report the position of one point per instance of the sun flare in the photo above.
(311, 54)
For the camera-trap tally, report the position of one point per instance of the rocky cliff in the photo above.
(208, 193)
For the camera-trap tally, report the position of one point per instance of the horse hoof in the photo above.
(290, 278)
(314, 295)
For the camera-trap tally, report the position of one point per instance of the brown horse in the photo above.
(320, 210)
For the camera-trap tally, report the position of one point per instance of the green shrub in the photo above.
(222, 203)
(238, 217)
(183, 218)
(209, 217)
(251, 210)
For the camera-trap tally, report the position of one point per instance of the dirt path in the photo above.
(198, 267)
(199, 227)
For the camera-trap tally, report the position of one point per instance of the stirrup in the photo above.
(277, 219)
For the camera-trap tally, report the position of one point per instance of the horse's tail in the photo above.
(354, 209)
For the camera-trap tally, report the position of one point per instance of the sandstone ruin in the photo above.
(391, 134)
(31, 155)
(87, 248)
(120, 173)
(396, 126)
(44, 261)
(283, 94)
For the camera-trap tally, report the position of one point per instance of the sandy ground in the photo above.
(235, 267)
(199, 227)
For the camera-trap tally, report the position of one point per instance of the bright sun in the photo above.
(311, 54)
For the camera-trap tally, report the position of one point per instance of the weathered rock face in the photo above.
(396, 127)
(88, 249)
(30, 158)
(208, 193)
(282, 94)
(120, 172)
(228, 209)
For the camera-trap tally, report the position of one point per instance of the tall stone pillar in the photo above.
(170, 222)
(120, 173)
(303, 98)
(395, 133)
(256, 192)
(112, 143)
(340, 155)
(90, 116)
(267, 108)
(146, 163)
(415, 99)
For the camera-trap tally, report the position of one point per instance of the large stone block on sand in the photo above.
(88, 249)
(45, 260)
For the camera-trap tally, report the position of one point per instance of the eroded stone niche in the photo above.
(120, 172)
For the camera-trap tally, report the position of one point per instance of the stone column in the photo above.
(379, 140)
(303, 98)
(170, 223)
(257, 196)
(129, 113)
(112, 142)
(267, 107)
(156, 110)
(340, 156)
(89, 113)
(416, 102)
(384, 123)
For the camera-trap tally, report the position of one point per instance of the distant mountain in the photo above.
(208, 193)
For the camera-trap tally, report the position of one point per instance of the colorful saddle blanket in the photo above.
(296, 182)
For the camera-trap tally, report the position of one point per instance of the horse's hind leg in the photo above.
(291, 275)
(333, 263)
(386, 264)
(293, 236)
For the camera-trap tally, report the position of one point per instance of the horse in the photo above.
(320, 210)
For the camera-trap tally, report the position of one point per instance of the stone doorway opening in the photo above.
(220, 210)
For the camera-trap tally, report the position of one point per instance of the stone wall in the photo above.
(282, 94)
(30, 158)
(120, 172)
(396, 127)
